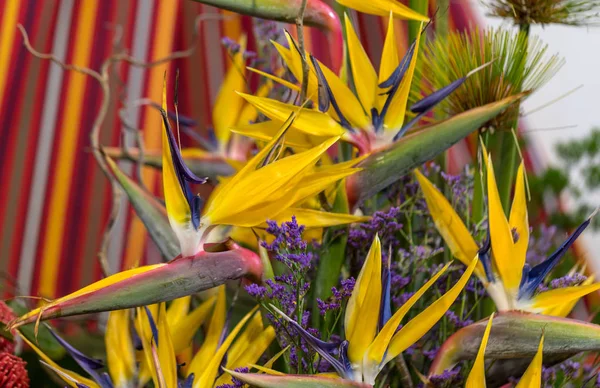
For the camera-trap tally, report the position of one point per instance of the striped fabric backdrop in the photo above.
(54, 200)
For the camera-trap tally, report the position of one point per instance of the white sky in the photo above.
(580, 46)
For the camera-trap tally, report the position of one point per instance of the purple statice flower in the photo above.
(449, 378)
(568, 281)
(570, 368)
(337, 298)
(385, 224)
(236, 383)
(474, 286)
(456, 321)
(288, 290)
(548, 374)
(399, 281)
(540, 246)
(288, 246)
(256, 291)
(431, 353)
(231, 45)
(400, 299)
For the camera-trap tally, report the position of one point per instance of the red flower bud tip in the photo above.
(12, 371)
(6, 316)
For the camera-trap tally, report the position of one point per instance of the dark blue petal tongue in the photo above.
(536, 275)
(88, 364)
(326, 96)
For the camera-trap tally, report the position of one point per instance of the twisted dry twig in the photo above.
(103, 77)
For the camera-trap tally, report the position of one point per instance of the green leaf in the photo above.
(156, 283)
(388, 165)
(295, 381)
(317, 13)
(513, 342)
(150, 211)
(44, 340)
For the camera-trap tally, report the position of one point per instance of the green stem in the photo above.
(509, 147)
(414, 27)
(441, 20)
(477, 207)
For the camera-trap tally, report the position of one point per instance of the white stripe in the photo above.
(135, 88)
(37, 194)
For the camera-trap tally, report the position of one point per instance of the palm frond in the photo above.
(520, 63)
(569, 12)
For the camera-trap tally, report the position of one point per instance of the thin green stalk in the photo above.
(477, 207)
(441, 19)
(414, 28)
(509, 147)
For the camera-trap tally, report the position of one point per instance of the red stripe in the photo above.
(8, 118)
(33, 135)
(67, 79)
(78, 206)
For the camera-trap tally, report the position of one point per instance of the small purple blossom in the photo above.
(383, 223)
(236, 383)
(456, 321)
(539, 247)
(449, 378)
(337, 297)
(568, 281)
(231, 45)
(256, 291)
(431, 353)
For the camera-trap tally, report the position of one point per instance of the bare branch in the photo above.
(84, 70)
(103, 77)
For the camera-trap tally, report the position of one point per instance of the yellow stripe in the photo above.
(163, 39)
(7, 36)
(68, 134)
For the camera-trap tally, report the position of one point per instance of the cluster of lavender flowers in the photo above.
(334, 303)
(288, 292)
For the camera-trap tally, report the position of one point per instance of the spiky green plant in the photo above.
(525, 12)
(516, 66)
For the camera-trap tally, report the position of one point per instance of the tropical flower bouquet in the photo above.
(332, 246)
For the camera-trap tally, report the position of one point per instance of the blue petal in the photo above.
(343, 351)
(398, 74)
(184, 121)
(408, 126)
(90, 365)
(180, 165)
(135, 338)
(321, 347)
(326, 96)
(184, 174)
(394, 82)
(152, 325)
(187, 383)
(429, 102)
(537, 274)
(484, 258)
(385, 312)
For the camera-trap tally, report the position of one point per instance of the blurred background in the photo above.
(55, 202)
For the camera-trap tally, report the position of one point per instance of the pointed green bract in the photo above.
(387, 165)
(295, 381)
(516, 335)
(151, 212)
